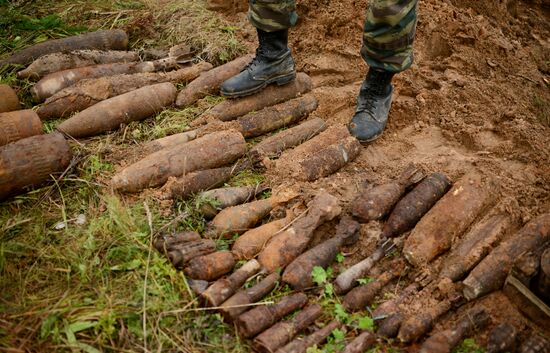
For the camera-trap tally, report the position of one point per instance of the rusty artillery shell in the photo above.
(274, 145)
(374, 204)
(253, 241)
(210, 267)
(219, 199)
(169, 141)
(210, 151)
(233, 108)
(240, 301)
(445, 341)
(300, 345)
(418, 325)
(165, 244)
(475, 246)
(449, 218)
(195, 182)
(543, 283)
(298, 273)
(9, 101)
(535, 344)
(111, 113)
(181, 254)
(19, 125)
(103, 40)
(410, 209)
(392, 306)
(30, 161)
(359, 297)
(361, 343)
(209, 82)
(261, 318)
(502, 339)
(281, 333)
(346, 280)
(224, 288)
(489, 275)
(286, 246)
(390, 326)
(329, 160)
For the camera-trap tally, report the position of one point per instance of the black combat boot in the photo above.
(273, 64)
(373, 106)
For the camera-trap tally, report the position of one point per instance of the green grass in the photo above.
(99, 286)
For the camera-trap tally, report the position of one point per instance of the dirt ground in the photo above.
(477, 97)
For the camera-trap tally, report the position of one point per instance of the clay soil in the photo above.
(477, 97)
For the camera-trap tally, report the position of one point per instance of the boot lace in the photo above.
(256, 61)
(365, 103)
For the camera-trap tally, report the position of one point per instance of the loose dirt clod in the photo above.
(182, 253)
(31, 161)
(502, 339)
(9, 101)
(475, 246)
(240, 301)
(373, 204)
(489, 275)
(201, 180)
(111, 113)
(359, 297)
(329, 160)
(210, 267)
(361, 343)
(248, 245)
(274, 145)
(101, 40)
(165, 244)
(53, 83)
(300, 345)
(286, 246)
(55, 62)
(233, 108)
(535, 344)
(419, 324)
(220, 199)
(18, 125)
(298, 273)
(261, 318)
(224, 288)
(449, 218)
(413, 206)
(281, 333)
(88, 92)
(445, 341)
(210, 81)
(239, 219)
(210, 151)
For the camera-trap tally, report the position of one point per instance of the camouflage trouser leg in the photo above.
(389, 32)
(272, 15)
(388, 36)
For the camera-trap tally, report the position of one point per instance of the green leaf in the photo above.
(81, 326)
(340, 313)
(319, 275)
(329, 290)
(365, 280)
(366, 323)
(128, 266)
(338, 335)
(87, 348)
(340, 258)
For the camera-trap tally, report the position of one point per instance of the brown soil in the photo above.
(477, 97)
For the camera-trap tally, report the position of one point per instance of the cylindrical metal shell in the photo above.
(19, 125)
(31, 161)
(210, 267)
(8, 99)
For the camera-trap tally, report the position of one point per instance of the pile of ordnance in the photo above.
(432, 222)
(444, 237)
(96, 87)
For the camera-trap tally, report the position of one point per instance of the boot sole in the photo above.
(280, 81)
